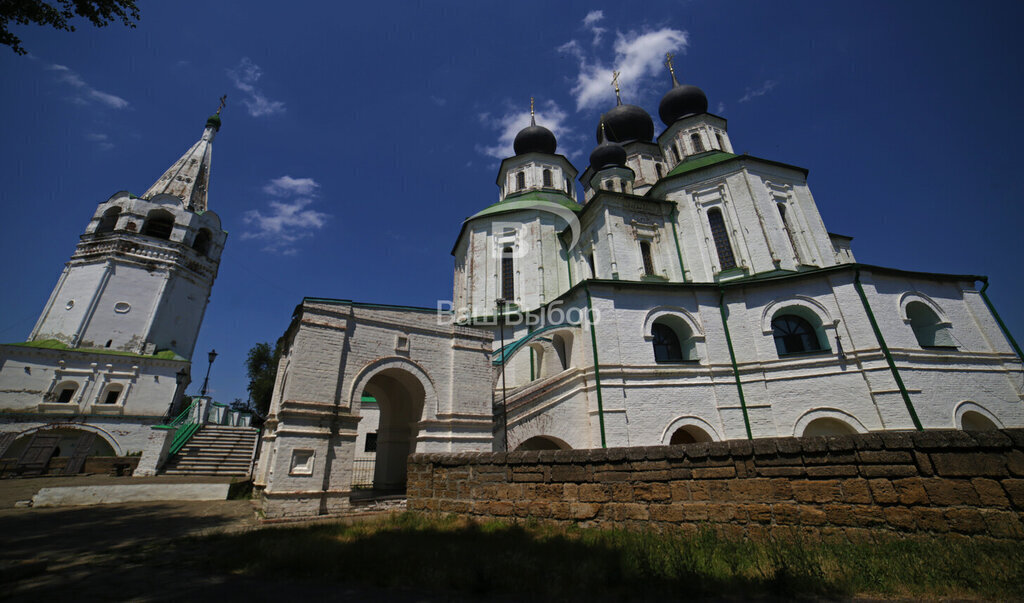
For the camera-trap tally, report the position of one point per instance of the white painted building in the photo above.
(110, 353)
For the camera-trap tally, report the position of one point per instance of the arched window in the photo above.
(547, 177)
(508, 277)
(645, 256)
(721, 142)
(112, 395)
(689, 434)
(159, 224)
(543, 443)
(108, 221)
(722, 245)
(66, 391)
(698, 144)
(827, 426)
(789, 232)
(927, 326)
(666, 344)
(520, 181)
(657, 168)
(202, 242)
(975, 421)
(563, 349)
(794, 335)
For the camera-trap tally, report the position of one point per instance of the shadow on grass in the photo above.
(495, 559)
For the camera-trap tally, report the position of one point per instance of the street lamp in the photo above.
(182, 378)
(213, 356)
(504, 402)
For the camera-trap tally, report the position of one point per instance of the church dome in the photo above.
(680, 101)
(626, 123)
(607, 154)
(535, 139)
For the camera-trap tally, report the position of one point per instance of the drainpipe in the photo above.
(597, 371)
(675, 235)
(1002, 325)
(885, 351)
(732, 356)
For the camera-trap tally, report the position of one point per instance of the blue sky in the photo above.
(358, 136)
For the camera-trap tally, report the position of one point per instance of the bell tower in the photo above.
(140, 278)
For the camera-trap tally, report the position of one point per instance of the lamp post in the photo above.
(182, 379)
(213, 356)
(500, 303)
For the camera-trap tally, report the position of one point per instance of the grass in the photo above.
(459, 556)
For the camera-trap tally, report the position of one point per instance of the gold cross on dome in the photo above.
(615, 82)
(223, 101)
(668, 63)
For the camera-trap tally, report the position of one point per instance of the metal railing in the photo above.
(362, 472)
(185, 424)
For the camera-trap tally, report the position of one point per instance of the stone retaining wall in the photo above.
(852, 486)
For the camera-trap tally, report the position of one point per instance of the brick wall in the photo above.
(923, 482)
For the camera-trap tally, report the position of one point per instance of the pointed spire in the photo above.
(604, 137)
(188, 179)
(615, 82)
(533, 119)
(668, 63)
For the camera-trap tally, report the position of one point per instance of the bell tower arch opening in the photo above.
(400, 397)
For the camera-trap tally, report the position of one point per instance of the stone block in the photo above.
(883, 492)
(789, 446)
(781, 489)
(840, 515)
(1016, 436)
(560, 510)
(679, 491)
(541, 509)
(1015, 463)
(672, 513)
(1003, 524)
(812, 516)
(781, 471)
(885, 457)
(932, 520)
(594, 493)
(658, 465)
(832, 471)
(694, 511)
(626, 511)
(651, 492)
(964, 464)
(650, 476)
(911, 491)
(740, 448)
(856, 491)
(758, 513)
(869, 441)
(699, 491)
(621, 492)
(583, 510)
(899, 518)
(751, 490)
(966, 521)
(611, 476)
(764, 446)
(841, 443)
(696, 451)
(719, 450)
(896, 440)
(950, 493)
(786, 513)
(990, 493)
(714, 472)
(719, 490)
(570, 473)
(722, 512)
(680, 473)
(1015, 490)
(992, 439)
(636, 453)
(817, 491)
(890, 471)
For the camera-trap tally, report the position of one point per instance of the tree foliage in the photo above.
(261, 366)
(59, 13)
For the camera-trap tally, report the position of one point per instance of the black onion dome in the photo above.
(535, 139)
(626, 123)
(680, 101)
(607, 155)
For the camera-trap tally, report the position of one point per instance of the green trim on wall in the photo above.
(735, 367)
(597, 370)
(885, 351)
(675, 236)
(1002, 325)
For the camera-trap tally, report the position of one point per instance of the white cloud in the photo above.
(86, 94)
(102, 140)
(637, 56)
(549, 115)
(437, 100)
(765, 88)
(245, 77)
(286, 186)
(288, 218)
(590, 22)
(720, 109)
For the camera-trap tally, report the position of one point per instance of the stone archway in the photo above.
(400, 397)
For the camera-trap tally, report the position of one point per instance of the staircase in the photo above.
(215, 450)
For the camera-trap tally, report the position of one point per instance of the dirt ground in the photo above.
(112, 552)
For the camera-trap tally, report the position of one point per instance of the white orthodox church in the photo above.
(110, 353)
(693, 294)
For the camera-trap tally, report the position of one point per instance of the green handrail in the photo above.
(186, 423)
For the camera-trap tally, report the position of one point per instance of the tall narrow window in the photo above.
(508, 277)
(159, 224)
(645, 254)
(109, 220)
(928, 327)
(202, 242)
(721, 236)
(721, 142)
(680, 150)
(672, 152)
(789, 231)
(698, 144)
(657, 168)
(520, 181)
(547, 178)
(590, 262)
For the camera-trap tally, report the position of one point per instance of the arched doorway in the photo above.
(400, 396)
(689, 434)
(542, 443)
(973, 420)
(828, 426)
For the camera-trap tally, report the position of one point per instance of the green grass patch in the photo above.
(455, 555)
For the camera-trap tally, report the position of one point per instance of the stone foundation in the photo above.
(852, 486)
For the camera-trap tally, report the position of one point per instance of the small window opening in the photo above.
(508, 288)
(657, 168)
(590, 262)
(66, 394)
(680, 150)
(789, 232)
(202, 242)
(159, 224)
(721, 236)
(675, 156)
(698, 144)
(371, 442)
(721, 141)
(520, 181)
(112, 396)
(109, 341)
(666, 344)
(547, 178)
(645, 254)
(928, 327)
(109, 220)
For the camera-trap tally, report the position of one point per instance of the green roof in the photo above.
(703, 160)
(53, 344)
(528, 200)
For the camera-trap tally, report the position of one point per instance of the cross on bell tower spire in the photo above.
(615, 82)
(668, 63)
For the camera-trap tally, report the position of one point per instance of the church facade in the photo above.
(110, 353)
(692, 294)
